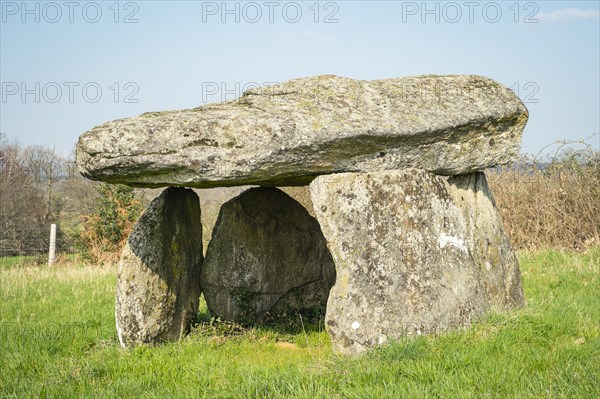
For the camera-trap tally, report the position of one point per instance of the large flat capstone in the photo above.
(288, 134)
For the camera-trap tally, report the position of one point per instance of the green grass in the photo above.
(41, 259)
(57, 339)
(7, 262)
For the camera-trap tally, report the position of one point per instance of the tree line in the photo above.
(39, 186)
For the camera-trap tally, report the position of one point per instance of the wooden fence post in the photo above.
(52, 250)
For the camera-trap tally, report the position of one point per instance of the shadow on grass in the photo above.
(293, 323)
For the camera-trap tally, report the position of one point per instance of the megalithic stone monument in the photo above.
(405, 216)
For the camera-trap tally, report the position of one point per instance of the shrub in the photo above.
(108, 227)
(552, 202)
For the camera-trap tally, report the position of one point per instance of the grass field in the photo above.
(57, 339)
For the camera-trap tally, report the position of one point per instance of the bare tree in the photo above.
(22, 219)
(46, 167)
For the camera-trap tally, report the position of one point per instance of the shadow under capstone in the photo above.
(267, 260)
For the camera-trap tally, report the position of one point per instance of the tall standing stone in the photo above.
(401, 254)
(415, 253)
(158, 286)
(489, 242)
(402, 259)
(267, 256)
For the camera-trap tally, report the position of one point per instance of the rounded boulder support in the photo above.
(267, 257)
(158, 287)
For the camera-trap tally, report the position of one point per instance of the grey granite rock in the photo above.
(402, 255)
(289, 133)
(488, 241)
(267, 256)
(158, 286)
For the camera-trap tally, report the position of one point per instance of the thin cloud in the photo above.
(566, 14)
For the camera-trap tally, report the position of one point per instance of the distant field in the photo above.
(57, 339)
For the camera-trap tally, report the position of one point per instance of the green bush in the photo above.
(108, 227)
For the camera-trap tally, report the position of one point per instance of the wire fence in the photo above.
(33, 248)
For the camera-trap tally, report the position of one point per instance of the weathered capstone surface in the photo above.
(404, 256)
(289, 133)
(488, 241)
(158, 286)
(267, 256)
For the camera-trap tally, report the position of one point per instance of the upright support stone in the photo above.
(402, 257)
(490, 245)
(267, 256)
(158, 286)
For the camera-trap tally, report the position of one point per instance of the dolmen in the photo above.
(407, 239)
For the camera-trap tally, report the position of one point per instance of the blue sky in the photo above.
(66, 67)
